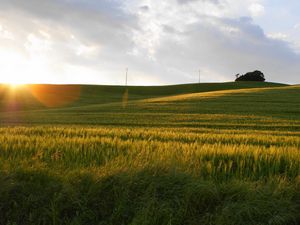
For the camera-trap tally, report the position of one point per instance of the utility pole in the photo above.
(126, 76)
(199, 76)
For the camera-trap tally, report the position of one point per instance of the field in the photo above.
(209, 154)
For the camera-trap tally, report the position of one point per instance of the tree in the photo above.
(252, 76)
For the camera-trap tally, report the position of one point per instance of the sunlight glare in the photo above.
(15, 86)
(19, 69)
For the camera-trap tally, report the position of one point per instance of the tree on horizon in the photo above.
(251, 76)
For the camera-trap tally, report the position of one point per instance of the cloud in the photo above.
(188, 1)
(278, 36)
(226, 47)
(145, 8)
(256, 9)
(91, 37)
(161, 43)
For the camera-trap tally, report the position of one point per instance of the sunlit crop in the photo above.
(229, 157)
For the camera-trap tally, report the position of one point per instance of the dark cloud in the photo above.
(230, 46)
(145, 8)
(188, 1)
(170, 29)
(104, 25)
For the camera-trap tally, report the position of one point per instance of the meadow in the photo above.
(215, 154)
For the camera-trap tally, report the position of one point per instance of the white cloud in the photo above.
(278, 36)
(5, 34)
(256, 9)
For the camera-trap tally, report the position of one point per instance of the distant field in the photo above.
(33, 96)
(224, 154)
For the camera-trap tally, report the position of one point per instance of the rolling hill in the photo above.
(140, 106)
(31, 97)
(191, 154)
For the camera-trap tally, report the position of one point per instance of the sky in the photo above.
(160, 42)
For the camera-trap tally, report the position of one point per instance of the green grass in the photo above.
(78, 95)
(189, 154)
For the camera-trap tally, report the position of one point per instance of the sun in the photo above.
(18, 70)
(15, 86)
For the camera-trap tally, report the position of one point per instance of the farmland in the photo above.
(194, 154)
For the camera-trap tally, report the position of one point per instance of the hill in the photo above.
(52, 96)
(152, 156)
(252, 105)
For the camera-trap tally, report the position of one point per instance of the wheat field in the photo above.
(219, 157)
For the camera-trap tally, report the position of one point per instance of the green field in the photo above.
(194, 154)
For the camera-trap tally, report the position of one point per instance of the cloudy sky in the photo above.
(161, 42)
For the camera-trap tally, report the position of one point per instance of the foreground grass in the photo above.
(226, 157)
(59, 175)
